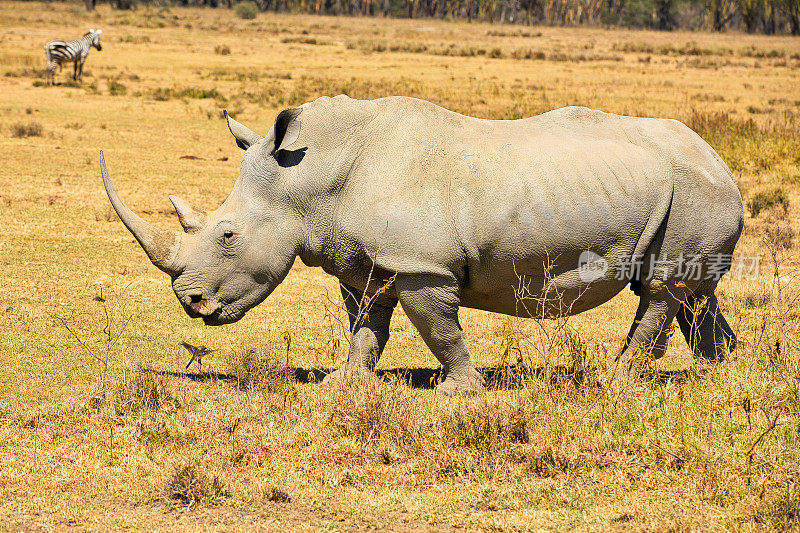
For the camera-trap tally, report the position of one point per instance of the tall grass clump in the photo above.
(189, 485)
(485, 423)
(144, 390)
(367, 409)
(747, 145)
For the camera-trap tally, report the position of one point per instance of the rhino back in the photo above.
(432, 191)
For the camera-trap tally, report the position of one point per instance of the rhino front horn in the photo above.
(160, 245)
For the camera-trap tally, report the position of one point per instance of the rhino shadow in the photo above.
(427, 378)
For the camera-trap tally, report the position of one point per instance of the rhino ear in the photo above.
(245, 137)
(285, 131)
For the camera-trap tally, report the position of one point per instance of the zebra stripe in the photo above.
(75, 51)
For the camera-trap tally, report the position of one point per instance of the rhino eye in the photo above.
(228, 238)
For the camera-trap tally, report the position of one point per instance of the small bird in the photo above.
(198, 352)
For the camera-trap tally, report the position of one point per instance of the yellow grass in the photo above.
(671, 455)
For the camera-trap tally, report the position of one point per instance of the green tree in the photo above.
(720, 13)
(751, 13)
(664, 17)
(791, 10)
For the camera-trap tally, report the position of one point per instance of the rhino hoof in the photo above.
(334, 376)
(469, 383)
(345, 373)
(630, 372)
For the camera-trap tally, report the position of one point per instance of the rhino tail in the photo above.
(651, 240)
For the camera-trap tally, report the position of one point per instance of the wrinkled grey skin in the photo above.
(465, 212)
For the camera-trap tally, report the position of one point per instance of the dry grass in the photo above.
(552, 445)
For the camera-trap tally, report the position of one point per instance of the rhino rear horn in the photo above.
(160, 245)
(245, 137)
(191, 218)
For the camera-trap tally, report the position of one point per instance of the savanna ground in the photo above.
(703, 446)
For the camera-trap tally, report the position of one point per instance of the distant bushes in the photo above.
(455, 50)
(135, 39)
(765, 16)
(167, 93)
(246, 10)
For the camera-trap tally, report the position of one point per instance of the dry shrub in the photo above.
(161, 430)
(259, 369)
(368, 409)
(302, 40)
(26, 72)
(154, 432)
(166, 93)
(135, 39)
(781, 513)
(756, 299)
(222, 49)
(188, 485)
(31, 129)
(548, 462)
(144, 390)
(274, 494)
(773, 198)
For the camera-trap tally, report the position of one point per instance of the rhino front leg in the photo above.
(369, 332)
(431, 303)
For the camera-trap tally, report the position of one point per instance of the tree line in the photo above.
(752, 16)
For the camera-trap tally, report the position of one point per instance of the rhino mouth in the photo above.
(213, 319)
(218, 318)
(222, 316)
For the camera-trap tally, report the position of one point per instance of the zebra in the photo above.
(75, 51)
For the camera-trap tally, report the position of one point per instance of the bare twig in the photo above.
(752, 449)
(111, 337)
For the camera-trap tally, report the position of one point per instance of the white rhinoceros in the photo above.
(541, 216)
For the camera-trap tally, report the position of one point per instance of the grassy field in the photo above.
(703, 447)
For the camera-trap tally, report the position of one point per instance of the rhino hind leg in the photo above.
(369, 333)
(648, 336)
(706, 331)
(431, 303)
